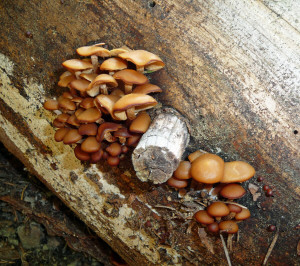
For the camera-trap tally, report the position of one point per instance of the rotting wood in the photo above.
(232, 69)
(161, 148)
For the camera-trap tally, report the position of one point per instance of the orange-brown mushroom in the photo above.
(90, 145)
(183, 170)
(105, 129)
(102, 81)
(77, 66)
(237, 171)
(113, 64)
(114, 149)
(232, 191)
(146, 89)
(72, 136)
(218, 209)
(60, 134)
(80, 154)
(203, 217)
(229, 227)
(51, 105)
(177, 183)
(89, 115)
(141, 123)
(243, 215)
(88, 129)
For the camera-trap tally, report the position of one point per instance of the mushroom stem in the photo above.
(229, 241)
(77, 74)
(128, 88)
(94, 91)
(130, 113)
(140, 69)
(111, 72)
(103, 88)
(94, 59)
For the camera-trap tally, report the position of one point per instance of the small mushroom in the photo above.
(218, 209)
(77, 66)
(143, 59)
(146, 89)
(105, 129)
(60, 134)
(63, 117)
(122, 134)
(121, 50)
(88, 129)
(208, 168)
(243, 215)
(177, 183)
(93, 51)
(141, 123)
(96, 156)
(234, 209)
(130, 77)
(90, 145)
(51, 105)
(87, 103)
(203, 217)
(213, 228)
(232, 191)
(229, 227)
(102, 81)
(132, 103)
(114, 149)
(88, 76)
(193, 156)
(72, 120)
(113, 160)
(89, 115)
(72, 136)
(237, 171)
(66, 104)
(113, 64)
(80, 154)
(183, 170)
(64, 82)
(133, 140)
(79, 85)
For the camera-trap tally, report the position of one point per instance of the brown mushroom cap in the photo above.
(218, 209)
(177, 183)
(96, 156)
(77, 64)
(72, 120)
(146, 89)
(60, 134)
(90, 144)
(130, 76)
(79, 84)
(133, 140)
(193, 156)
(237, 171)
(134, 100)
(232, 191)
(87, 103)
(57, 123)
(64, 82)
(203, 217)
(183, 170)
(66, 104)
(113, 160)
(141, 123)
(72, 136)
(214, 227)
(93, 50)
(105, 128)
(142, 58)
(234, 208)
(104, 79)
(80, 154)
(88, 129)
(230, 227)
(88, 76)
(121, 50)
(244, 214)
(63, 117)
(89, 115)
(51, 105)
(114, 149)
(208, 168)
(65, 74)
(113, 64)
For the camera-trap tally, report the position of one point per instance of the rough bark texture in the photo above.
(161, 148)
(232, 69)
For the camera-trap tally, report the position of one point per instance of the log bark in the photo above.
(232, 69)
(161, 148)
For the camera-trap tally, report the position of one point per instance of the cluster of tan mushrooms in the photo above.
(103, 111)
(221, 179)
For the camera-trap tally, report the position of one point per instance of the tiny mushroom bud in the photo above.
(51, 105)
(229, 227)
(114, 149)
(102, 81)
(113, 64)
(183, 170)
(203, 217)
(72, 136)
(218, 209)
(113, 160)
(193, 156)
(177, 183)
(141, 123)
(90, 144)
(146, 89)
(130, 77)
(214, 227)
(132, 103)
(232, 191)
(207, 168)
(237, 171)
(88, 129)
(60, 134)
(143, 59)
(80, 154)
(243, 215)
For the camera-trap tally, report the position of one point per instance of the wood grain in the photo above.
(232, 69)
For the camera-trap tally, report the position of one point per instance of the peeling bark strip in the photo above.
(159, 151)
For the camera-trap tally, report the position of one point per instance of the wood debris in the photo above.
(253, 190)
(225, 250)
(206, 240)
(271, 246)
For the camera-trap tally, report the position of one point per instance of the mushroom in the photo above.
(60, 134)
(63, 117)
(121, 50)
(133, 140)
(89, 115)
(113, 64)
(107, 102)
(87, 103)
(146, 89)
(88, 76)
(130, 77)
(105, 129)
(193, 156)
(122, 134)
(113, 160)
(183, 170)
(218, 209)
(141, 123)
(177, 183)
(203, 217)
(213, 228)
(77, 66)
(93, 51)
(237, 171)
(65, 81)
(88, 129)
(208, 168)
(102, 81)
(229, 227)
(72, 136)
(80, 154)
(114, 149)
(72, 120)
(232, 191)
(90, 144)
(234, 209)
(80, 85)
(96, 156)
(66, 104)
(243, 215)
(132, 103)
(51, 105)
(143, 59)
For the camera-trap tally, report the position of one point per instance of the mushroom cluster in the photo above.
(102, 113)
(222, 178)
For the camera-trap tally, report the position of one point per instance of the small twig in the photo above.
(226, 251)
(271, 246)
(165, 207)
(234, 203)
(23, 191)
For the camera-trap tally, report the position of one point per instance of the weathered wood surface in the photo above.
(161, 148)
(232, 69)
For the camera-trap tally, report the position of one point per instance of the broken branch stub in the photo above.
(160, 149)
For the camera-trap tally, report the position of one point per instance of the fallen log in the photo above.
(234, 77)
